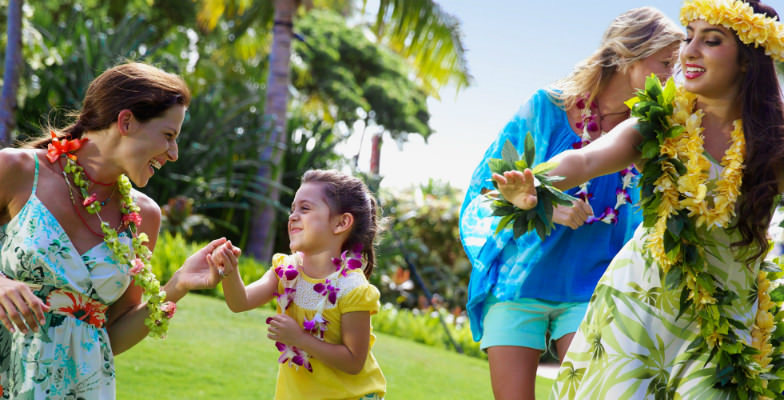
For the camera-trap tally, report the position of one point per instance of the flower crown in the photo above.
(751, 28)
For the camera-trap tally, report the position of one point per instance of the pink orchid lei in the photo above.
(137, 256)
(590, 123)
(288, 273)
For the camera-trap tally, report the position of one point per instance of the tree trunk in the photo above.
(375, 153)
(262, 234)
(13, 66)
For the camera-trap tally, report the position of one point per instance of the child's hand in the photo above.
(224, 259)
(197, 272)
(284, 329)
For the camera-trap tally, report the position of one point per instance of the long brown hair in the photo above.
(632, 36)
(142, 88)
(347, 194)
(763, 129)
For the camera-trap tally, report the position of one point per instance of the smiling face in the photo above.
(312, 227)
(710, 61)
(151, 144)
(660, 63)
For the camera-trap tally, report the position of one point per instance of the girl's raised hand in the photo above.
(518, 188)
(20, 307)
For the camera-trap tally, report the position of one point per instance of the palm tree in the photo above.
(417, 29)
(13, 66)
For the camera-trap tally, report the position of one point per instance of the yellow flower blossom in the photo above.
(752, 28)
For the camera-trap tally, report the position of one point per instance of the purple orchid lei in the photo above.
(288, 273)
(589, 123)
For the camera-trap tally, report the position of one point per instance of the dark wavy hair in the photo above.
(142, 88)
(763, 128)
(347, 194)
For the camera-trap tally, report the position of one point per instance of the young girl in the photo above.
(322, 328)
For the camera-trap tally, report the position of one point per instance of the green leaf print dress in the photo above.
(632, 344)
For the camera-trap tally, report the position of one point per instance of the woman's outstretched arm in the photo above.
(610, 153)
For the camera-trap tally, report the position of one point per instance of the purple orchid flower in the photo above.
(610, 215)
(622, 197)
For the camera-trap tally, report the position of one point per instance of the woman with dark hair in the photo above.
(76, 285)
(524, 290)
(684, 310)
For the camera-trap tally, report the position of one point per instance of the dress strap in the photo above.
(35, 178)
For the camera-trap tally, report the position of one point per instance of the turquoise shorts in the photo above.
(526, 322)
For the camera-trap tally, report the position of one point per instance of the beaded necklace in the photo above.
(590, 122)
(137, 256)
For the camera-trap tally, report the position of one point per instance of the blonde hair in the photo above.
(631, 37)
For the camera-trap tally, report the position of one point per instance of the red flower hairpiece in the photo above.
(59, 147)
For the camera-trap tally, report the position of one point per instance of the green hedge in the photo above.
(425, 327)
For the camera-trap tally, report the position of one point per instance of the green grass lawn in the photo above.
(213, 353)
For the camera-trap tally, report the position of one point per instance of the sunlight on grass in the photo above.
(214, 353)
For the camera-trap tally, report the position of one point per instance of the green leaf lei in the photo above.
(539, 217)
(137, 257)
(736, 369)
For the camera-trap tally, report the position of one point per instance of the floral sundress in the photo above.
(70, 356)
(630, 344)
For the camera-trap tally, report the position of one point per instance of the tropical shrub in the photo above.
(424, 326)
(422, 230)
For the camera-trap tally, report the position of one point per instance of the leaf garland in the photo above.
(540, 217)
(749, 371)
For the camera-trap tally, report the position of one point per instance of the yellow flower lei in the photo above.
(674, 206)
(688, 191)
(751, 28)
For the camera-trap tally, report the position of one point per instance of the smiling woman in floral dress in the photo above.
(684, 310)
(75, 239)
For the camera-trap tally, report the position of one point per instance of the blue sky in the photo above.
(514, 48)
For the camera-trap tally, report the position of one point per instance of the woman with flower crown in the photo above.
(523, 289)
(684, 311)
(76, 286)
(324, 300)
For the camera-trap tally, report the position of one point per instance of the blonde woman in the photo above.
(525, 290)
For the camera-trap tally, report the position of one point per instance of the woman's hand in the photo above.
(202, 270)
(284, 329)
(518, 188)
(574, 216)
(20, 307)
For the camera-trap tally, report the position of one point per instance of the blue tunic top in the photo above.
(564, 267)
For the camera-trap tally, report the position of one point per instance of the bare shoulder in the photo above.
(150, 213)
(148, 208)
(17, 168)
(16, 165)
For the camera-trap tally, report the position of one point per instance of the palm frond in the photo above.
(429, 37)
